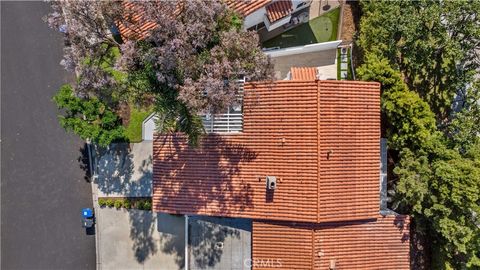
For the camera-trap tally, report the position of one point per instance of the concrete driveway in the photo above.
(137, 239)
(124, 170)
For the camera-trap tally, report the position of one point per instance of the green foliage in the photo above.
(443, 189)
(127, 204)
(411, 123)
(139, 204)
(427, 41)
(88, 118)
(147, 205)
(464, 128)
(118, 204)
(321, 29)
(109, 202)
(438, 176)
(102, 202)
(134, 129)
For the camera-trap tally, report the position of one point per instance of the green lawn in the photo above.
(320, 29)
(134, 128)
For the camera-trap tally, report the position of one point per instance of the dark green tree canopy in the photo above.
(89, 118)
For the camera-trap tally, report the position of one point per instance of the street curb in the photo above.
(95, 204)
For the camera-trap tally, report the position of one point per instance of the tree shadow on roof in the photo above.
(203, 180)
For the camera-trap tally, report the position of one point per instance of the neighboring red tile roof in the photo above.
(303, 73)
(278, 10)
(138, 28)
(134, 24)
(246, 7)
(321, 139)
(379, 243)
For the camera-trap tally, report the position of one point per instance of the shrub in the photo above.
(118, 204)
(147, 205)
(102, 202)
(127, 204)
(109, 203)
(139, 205)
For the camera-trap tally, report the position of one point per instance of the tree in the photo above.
(88, 41)
(188, 64)
(410, 122)
(437, 174)
(434, 44)
(88, 118)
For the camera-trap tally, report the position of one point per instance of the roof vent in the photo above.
(332, 264)
(271, 182)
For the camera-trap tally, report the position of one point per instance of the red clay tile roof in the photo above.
(379, 243)
(303, 73)
(321, 139)
(279, 9)
(139, 28)
(134, 24)
(246, 7)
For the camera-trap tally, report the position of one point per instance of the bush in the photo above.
(118, 204)
(147, 205)
(127, 204)
(102, 202)
(109, 203)
(139, 205)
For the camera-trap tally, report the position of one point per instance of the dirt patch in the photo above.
(124, 113)
(348, 24)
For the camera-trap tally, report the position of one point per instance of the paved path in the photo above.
(43, 186)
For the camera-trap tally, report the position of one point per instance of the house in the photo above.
(270, 14)
(257, 15)
(300, 171)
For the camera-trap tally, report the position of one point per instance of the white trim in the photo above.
(316, 47)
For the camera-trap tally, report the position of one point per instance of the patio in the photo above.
(321, 29)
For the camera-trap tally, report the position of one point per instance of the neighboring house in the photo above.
(257, 14)
(270, 14)
(321, 56)
(303, 170)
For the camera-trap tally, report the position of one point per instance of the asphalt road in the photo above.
(42, 184)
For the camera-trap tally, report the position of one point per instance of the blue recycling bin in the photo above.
(87, 218)
(87, 213)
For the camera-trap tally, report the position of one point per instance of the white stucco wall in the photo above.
(316, 47)
(148, 127)
(254, 18)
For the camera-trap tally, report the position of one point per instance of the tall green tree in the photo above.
(88, 117)
(437, 174)
(433, 43)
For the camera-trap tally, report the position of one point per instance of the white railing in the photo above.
(231, 121)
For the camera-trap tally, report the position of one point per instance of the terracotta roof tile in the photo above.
(139, 28)
(321, 139)
(278, 10)
(378, 243)
(303, 73)
(246, 7)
